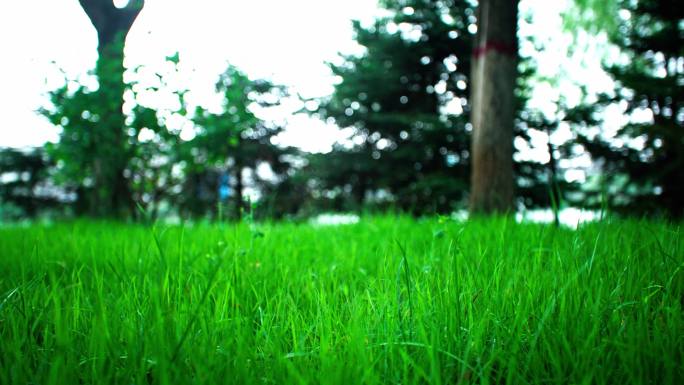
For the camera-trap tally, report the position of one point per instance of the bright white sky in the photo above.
(287, 41)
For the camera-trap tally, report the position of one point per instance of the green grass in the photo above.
(388, 300)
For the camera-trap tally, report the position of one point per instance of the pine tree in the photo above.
(643, 163)
(405, 98)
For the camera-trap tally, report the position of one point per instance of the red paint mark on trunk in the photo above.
(495, 46)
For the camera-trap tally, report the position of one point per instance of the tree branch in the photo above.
(109, 20)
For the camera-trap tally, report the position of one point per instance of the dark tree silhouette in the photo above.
(110, 21)
(645, 179)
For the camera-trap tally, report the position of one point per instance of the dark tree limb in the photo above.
(109, 21)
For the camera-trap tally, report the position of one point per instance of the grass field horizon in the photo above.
(390, 299)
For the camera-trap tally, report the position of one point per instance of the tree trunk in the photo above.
(494, 73)
(112, 25)
(553, 180)
(110, 21)
(360, 192)
(239, 187)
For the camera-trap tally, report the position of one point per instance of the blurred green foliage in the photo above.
(404, 102)
(26, 188)
(235, 142)
(160, 169)
(642, 162)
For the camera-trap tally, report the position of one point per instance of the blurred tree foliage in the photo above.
(593, 16)
(232, 145)
(94, 149)
(25, 183)
(162, 172)
(643, 162)
(546, 185)
(153, 170)
(102, 154)
(406, 100)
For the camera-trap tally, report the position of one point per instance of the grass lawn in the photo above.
(388, 300)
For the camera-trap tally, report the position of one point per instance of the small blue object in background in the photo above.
(224, 189)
